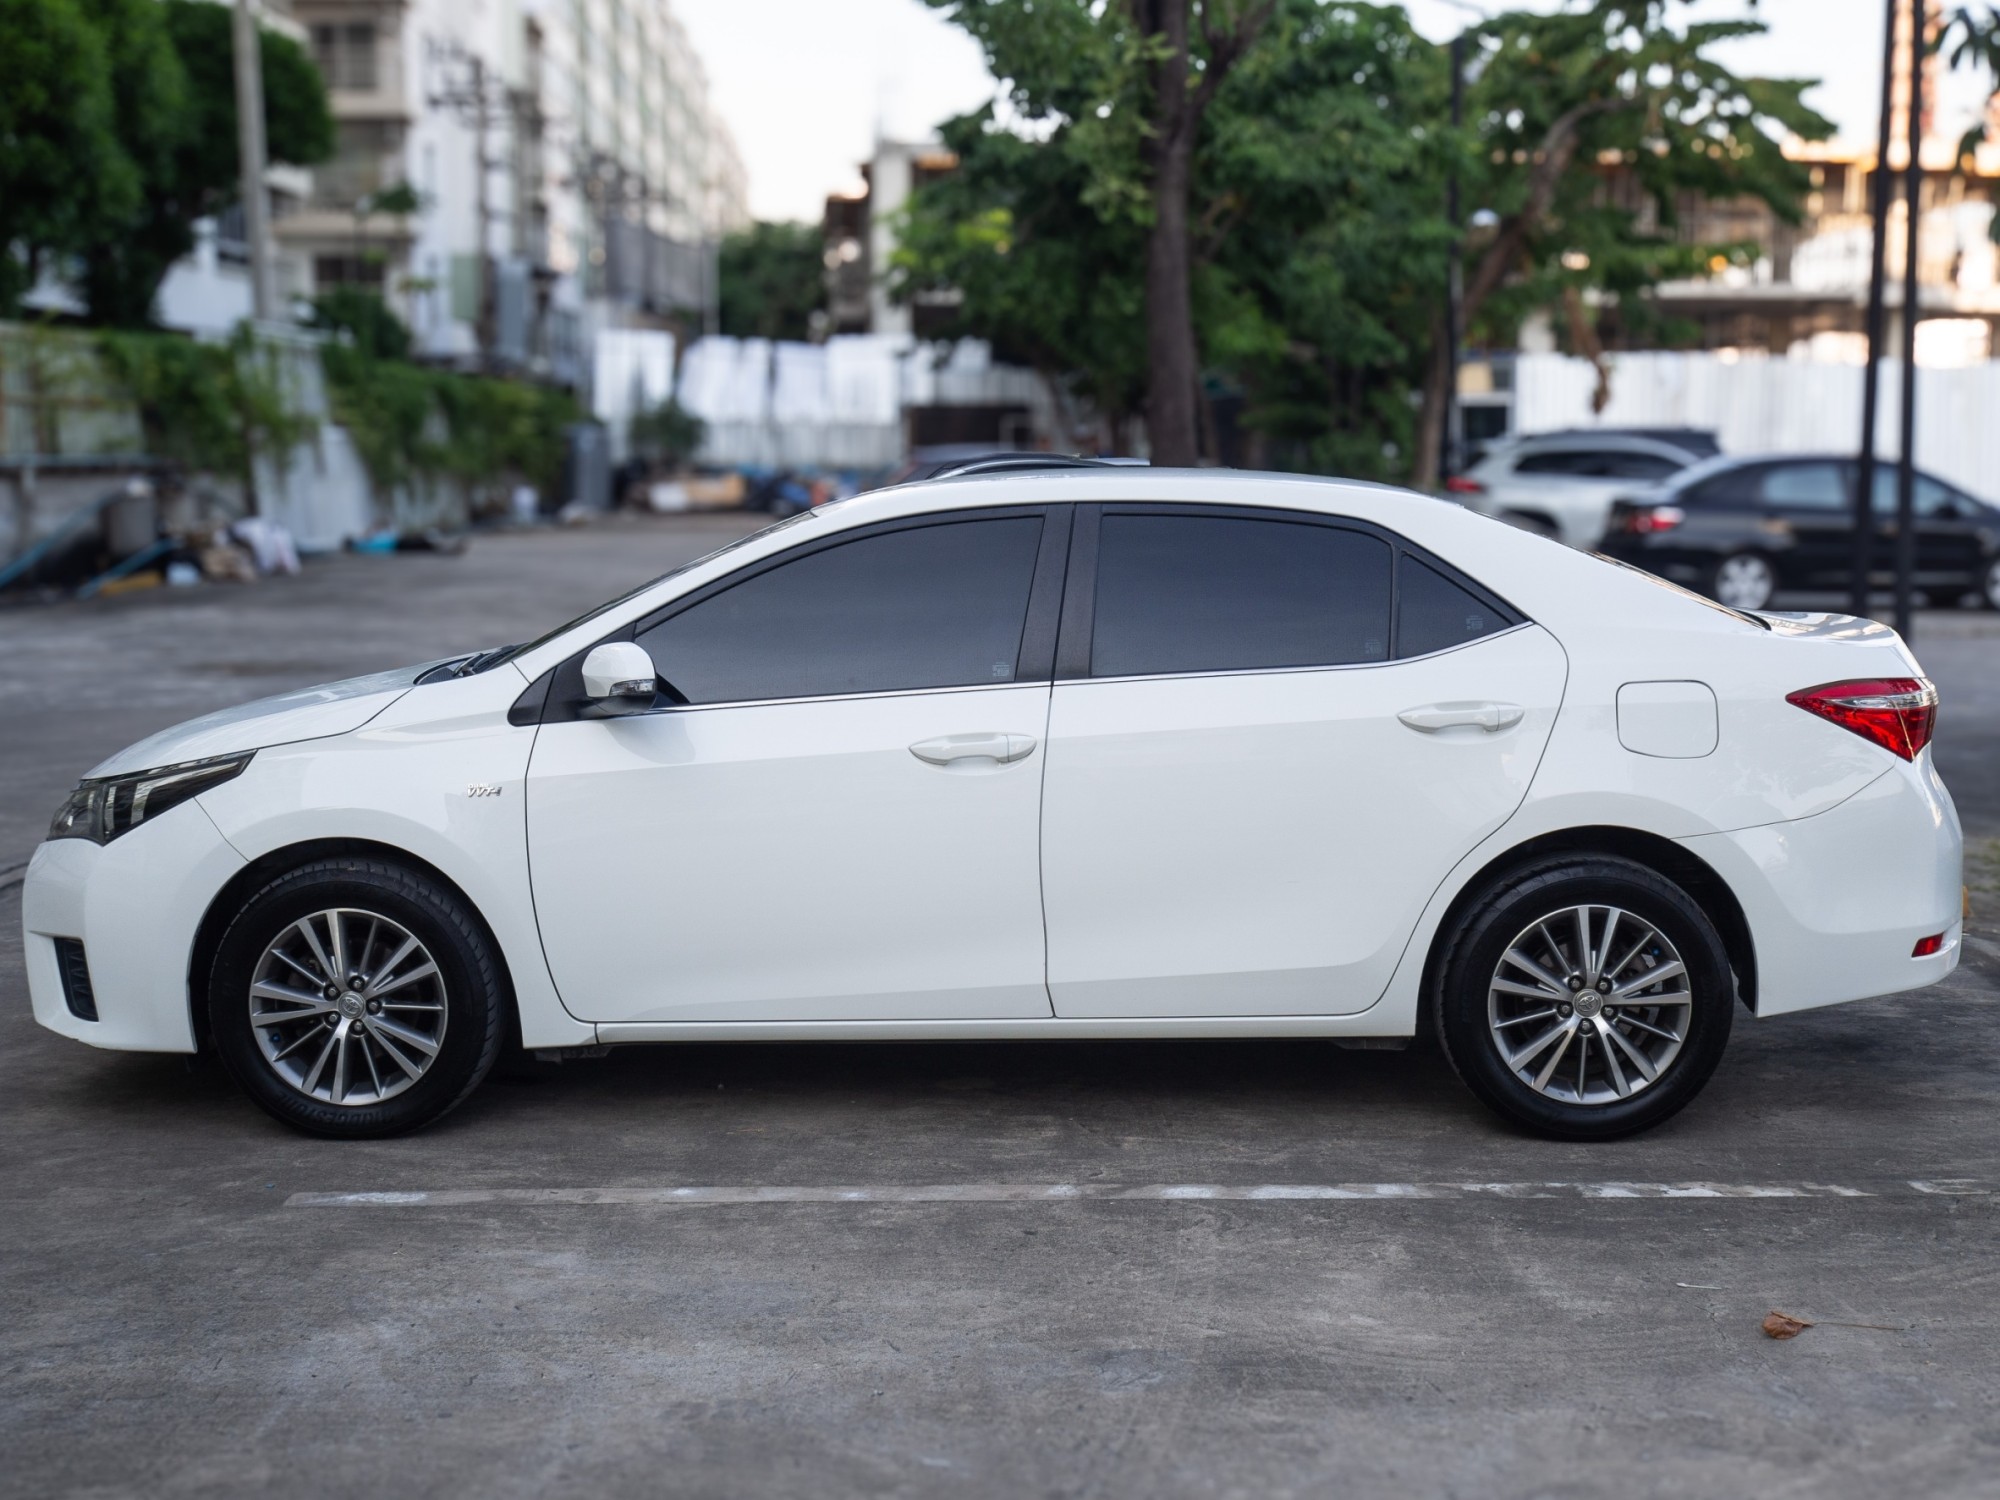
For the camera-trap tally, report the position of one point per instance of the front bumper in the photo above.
(135, 904)
(1836, 902)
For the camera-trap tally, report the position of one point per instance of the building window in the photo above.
(346, 55)
(348, 270)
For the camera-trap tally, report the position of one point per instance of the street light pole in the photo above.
(1871, 380)
(1454, 308)
(250, 147)
(1906, 464)
(1454, 304)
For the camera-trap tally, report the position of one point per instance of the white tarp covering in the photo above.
(1775, 405)
(632, 372)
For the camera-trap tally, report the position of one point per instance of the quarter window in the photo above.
(925, 607)
(1433, 613)
(1215, 593)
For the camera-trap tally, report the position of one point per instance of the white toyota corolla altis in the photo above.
(1076, 752)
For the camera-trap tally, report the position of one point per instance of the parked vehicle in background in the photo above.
(1561, 484)
(1083, 752)
(1742, 530)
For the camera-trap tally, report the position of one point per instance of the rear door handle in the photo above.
(1491, 717)
(946, 748)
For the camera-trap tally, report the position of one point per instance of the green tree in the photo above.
(1128, 85)
(63, 174)
(187, 165)
(1050, 284)
(1559, 103)
(771, 279)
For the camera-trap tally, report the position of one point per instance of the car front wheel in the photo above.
(352, 997)
(1989, 586)
(1743, 581)
(1585, 998)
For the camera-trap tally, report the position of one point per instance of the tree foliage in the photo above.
(65, 180)
(118, 131)
(1316, 229)
(770, 281)
(188, 162)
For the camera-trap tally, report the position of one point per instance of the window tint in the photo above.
(1553, 463)
(1818, 486)
(1213, 593)
(1931, 496)
(1639, 466)
(1433, 612)
(932, 606)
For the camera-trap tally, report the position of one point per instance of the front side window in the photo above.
(1220, 593)
(924, 607)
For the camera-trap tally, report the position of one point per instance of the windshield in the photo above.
(490, 659)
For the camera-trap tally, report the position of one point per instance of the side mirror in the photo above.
(618, 678)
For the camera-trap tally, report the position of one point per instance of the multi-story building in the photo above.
(515, 175)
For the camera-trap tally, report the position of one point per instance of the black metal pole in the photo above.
(1454, 304)
(1871, 380)
(1906, 462)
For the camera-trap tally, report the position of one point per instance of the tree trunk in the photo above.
(1170, 351)
(1430, 414)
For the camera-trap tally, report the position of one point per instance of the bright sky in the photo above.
(806, 85)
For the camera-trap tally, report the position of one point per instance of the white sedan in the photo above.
(1072, 752)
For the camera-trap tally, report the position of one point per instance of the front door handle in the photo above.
(946, 748)
(1491, 717)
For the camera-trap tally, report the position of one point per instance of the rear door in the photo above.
(1271, 737)
(1810, 504)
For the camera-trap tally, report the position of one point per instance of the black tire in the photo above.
(477, 1010)
(1509, 909)
(1989, 585)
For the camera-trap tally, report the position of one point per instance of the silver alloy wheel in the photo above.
(1992, 588)
(1745, 582)
(348, 1006)
(1589, 1005)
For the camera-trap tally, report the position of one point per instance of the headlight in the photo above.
(101, 810)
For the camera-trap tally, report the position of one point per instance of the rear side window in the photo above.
(1639, 466)
(1435, 613)
(1218, 593)
(925, 607)
(1553, 463)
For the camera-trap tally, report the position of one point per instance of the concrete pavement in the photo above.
(184, 1318)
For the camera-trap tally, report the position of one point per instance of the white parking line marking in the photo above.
(1103, 1192)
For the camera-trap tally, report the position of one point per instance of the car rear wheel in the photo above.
(355, 998)
(1989, 585)
(1585, 998)
(1743, 580)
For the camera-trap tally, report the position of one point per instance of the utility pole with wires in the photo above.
(479, 102)
(249, 61)
(1906, 463)
(1871, 380)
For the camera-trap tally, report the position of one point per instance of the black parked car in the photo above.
(1742, 529)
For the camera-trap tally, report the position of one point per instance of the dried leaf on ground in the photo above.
(1779, 1325)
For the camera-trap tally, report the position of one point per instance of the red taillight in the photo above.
(1458, 484)
(1927, 946)
(1897, 713)
(1654, 518)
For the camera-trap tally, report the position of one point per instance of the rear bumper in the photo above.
(1836, 902)
(135, 905)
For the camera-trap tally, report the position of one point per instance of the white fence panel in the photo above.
(1775, 406)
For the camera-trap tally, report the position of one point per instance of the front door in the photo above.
(841, 822)
(1288, 734)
